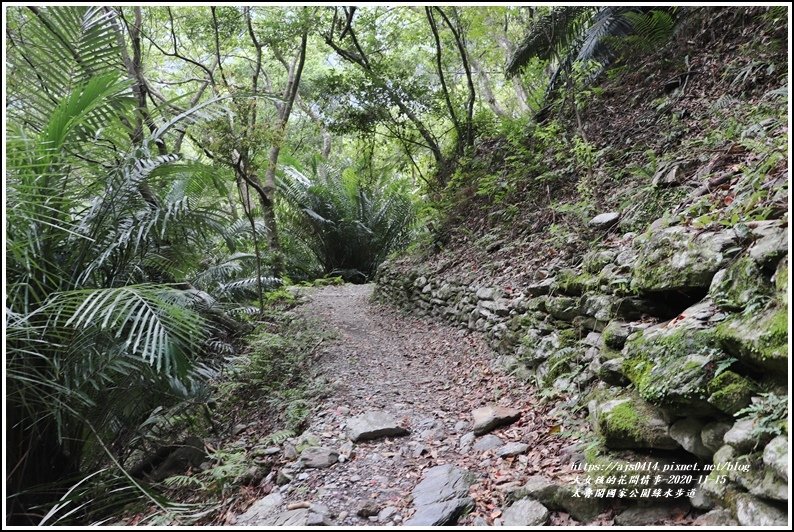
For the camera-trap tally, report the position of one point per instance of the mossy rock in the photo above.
(671, 368)
(570, 282)
(536, 347)
(617, 332)
(595, 261)
(537, 304)
(628, 467)
(781, 280)
(558, 364)
(681, 258)
(759, 340)
(759, 480)
(630, 423)
(600, 306)
(730, 392)
(585, 324)
(741, 284)
(563, 308)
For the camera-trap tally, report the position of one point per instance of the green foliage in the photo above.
(495, 187)
(226, 468)
(651, 31)
(730, 391)
(97, 334)
(278, 437)
(350, 223)
(276, 370)
(769, 412)
(572, 35)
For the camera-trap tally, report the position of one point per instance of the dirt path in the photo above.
(430, 377)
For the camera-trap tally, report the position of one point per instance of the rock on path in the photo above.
(386, 372)
(374, 424)
(442, 496)
(490, 417)
(526, 512)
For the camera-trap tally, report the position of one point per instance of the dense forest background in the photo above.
(172, 171)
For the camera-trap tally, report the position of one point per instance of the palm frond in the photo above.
(249, 284)
(154, 322)
(549, 35)
(57, 49)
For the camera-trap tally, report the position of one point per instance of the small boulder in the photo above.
(701, 499)
(604, 220)
(525, 512)
(557, 497)
(466, 441)
(318, 457)
(374, 424)
(687, 432)
(540, 288)
(441, 496)
(628, 423)
(512, 449)
(261, 509)
(770, 247)
(716, 517)
(681, 258)
(369, 509)
(742, 438)
(387, 513)
(752, 511)
(490, 417)
(760, 340)
(486, 294)
(611, 372)
(487, 442)
(713, 433)
(776, 456)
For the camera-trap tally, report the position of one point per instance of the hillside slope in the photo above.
(627, 254)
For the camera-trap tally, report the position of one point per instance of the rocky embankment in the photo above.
(674, 341)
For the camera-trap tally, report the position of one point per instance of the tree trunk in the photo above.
(440, 70)
(290, 93)
(521, 94)
(487, 91)
(464, 58)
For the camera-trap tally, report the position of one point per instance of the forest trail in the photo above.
(429, 377)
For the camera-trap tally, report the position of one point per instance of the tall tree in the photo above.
(342, 37)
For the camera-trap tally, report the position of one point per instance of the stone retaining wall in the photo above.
(664, 338)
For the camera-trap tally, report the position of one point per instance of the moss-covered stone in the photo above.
(758, 479)
(594, 261)
(570, 282)
(680, 258)
(628, 467)
(559, 363)
(759, 340)
(535, 348)
(630, 423)
(741, 284)
(730, 392)
(599, 306)
(672, 367)
(563, 308)
(616, 332)
(585, 324)
(537, 304)
(781, 280)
